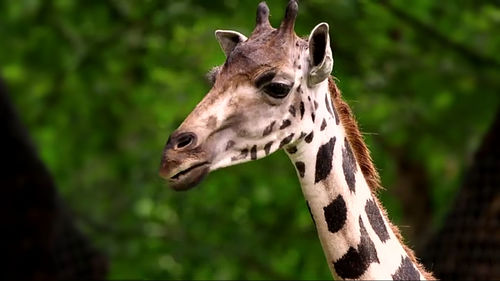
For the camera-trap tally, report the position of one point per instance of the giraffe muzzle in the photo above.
(190, 177)
(185, 175)
(184, 163)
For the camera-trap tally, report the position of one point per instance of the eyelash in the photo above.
(277, 90)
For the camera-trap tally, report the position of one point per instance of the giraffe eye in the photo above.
(277, 90)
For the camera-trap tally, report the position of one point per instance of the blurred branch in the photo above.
(468, 52)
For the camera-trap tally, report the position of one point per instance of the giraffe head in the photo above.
(258, 103)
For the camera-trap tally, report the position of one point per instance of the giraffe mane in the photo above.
(362, 155)
(355, 138)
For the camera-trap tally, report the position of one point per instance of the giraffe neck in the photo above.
(355, 233)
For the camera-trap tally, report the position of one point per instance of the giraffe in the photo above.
(273, 92)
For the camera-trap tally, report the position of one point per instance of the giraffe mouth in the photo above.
(189, 177)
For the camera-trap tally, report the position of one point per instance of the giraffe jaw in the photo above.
(189, 177)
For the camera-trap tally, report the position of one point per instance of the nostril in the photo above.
(181, 141)
(184, 141)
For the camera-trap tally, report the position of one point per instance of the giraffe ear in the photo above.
(228, 39)
(320, 54)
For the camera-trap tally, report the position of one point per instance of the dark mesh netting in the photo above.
(468, 244)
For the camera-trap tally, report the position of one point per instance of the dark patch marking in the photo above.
(309, 137)
(302, 134)
(267, 147)
(253, 152)
(285, 124)
(335, 214)
(356, 261)
(292, 149)
(300, 66)
(337, 120)
(243, 155)
(406, 271)
(286, 140)
(268, 129)
(301, 168)
(349, 166)
(327, 102)
(291, 109)
(299, 89)
(229, 144)
(324, 160)
(302, 109)
(315, 105)
(323, 125)
(212, 122)
(376, 220)
(309, 208)
(313, 116)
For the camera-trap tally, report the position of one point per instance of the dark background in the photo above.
(99, 86)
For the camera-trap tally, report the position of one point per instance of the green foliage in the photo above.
(101, 84)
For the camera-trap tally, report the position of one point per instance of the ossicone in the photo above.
(262, 20)
(288, 22)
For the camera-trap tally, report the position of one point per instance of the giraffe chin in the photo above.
(190, 177)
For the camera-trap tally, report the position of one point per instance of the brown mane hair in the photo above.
(364, 159)
(354, 137)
